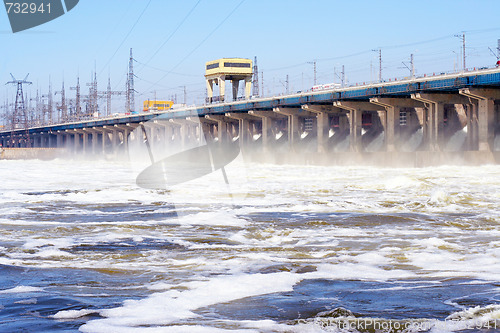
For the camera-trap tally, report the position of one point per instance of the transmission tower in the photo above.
(47, 114)
(7, 117)
(20, 119)
(77, 113)
(63, 107)
(38, 108)
(20, 115)
(130, 107)
(108, 93)
(91, 100)
(255, 82)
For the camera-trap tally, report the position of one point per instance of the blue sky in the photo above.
(286, 36)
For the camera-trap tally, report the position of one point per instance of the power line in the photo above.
(128, 34)
(164, 70)
(173, 33)
(286, 67)
(106, 41)
(481, 30)
(417, 43)
(201, 43)
(384, 47)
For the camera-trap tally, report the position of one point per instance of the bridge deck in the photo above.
(449, 83)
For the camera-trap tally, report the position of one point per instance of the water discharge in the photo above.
(302, 249)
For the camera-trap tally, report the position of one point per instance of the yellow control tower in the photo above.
(234, 69)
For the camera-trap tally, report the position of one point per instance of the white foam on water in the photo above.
(441, 197)
(484, 318)
(53, 253)
(27, 301)
(160, 286)
(373, 258)
(216, 218)
(173, 305)
(21, 290)
(402, 182)
(42, 242)
(185, 329)
(73, 314)
(434, 242)
(452, 232)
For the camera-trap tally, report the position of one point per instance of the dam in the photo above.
(436, 119)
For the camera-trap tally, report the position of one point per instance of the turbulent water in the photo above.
(293, 249)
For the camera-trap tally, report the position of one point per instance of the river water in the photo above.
(293, 249)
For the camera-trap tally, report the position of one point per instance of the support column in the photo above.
(485, 113)
(434, 104)
(354, 125)
(222, 88)
(267, 118)
(76, 140)
(184, 130)
(355, 116)
(126, 134)
(95, 140)
(85, 142)
(323, 123)
(248, 87)
(236, 84)
(244, 131)
(222, 126)
(196, 129)
(125, 130)
(34, 137)
(108, 136)
(177, 130)
(106, 131)
(221, 82)
(293, 123)
(472, 126)
(393, 108)
(45, 140)
(205, 127)
(59, 140)
(210, 90)
(115, 139)
(67, 139)
(52, 138)
(68, 144)
(90, 140)
(355, 120)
